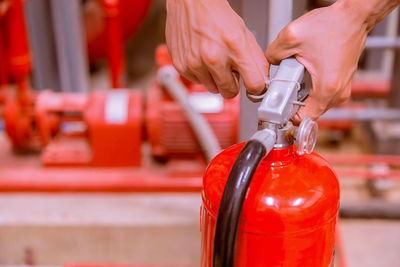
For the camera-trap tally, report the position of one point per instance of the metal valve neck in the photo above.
(284, 134)
(305, 136)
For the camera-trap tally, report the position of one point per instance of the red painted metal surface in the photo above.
(114, 120)
(370, 88)
(289, 214)
(168, 129)
(35, 178)
(114, 265)
(115, 43)
(17, 111)
(132, 15)
(19, 59)
(18, 121)
(102, 129)
(51, 109)
(64, 151)
(3, 55)
(80, 179)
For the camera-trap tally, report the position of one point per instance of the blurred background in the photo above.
(100, 165)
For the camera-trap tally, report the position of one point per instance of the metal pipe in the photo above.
(70, 46)
(393, 160)
(366, 173)
(364, 114)
(382, 42)
(46, 74)
(371, 209)
(115, 43)
(253, 13)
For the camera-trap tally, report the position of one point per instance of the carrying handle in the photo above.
(285, 93)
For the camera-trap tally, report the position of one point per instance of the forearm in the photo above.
(370, 11)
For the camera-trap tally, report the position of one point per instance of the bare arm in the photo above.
(328, 42)
(210, 44)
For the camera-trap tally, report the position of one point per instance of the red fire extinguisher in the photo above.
(269, 202)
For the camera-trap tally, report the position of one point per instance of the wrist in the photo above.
(355, 10)
(368, 12)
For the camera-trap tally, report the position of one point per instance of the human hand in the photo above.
(328, 42)
(210, 44)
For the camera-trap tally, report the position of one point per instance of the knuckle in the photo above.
(212, 89)
(254, 87)
(289, 33)
(234, 39)
(193, 63)
(228, 93)
(227, 89)
(210, 56)
(178, 66)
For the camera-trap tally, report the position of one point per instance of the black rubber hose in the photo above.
(232, 202)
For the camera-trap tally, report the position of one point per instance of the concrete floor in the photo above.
(53, 229)
(371, 243)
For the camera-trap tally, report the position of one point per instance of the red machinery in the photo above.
(17, 113)
(169, 132)
(106, 35)
(128, 13)
(104, 129)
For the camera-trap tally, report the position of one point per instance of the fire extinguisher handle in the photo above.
(281, 101)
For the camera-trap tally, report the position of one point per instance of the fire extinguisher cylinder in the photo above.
(269, 203)
(234, 194)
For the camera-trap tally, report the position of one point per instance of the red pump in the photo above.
(278, 210)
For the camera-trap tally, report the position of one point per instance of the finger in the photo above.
(207, 80)
(189, 75)
(252, 66)
(226, 82)
(221, 72)
(258, 55)
(196, 69)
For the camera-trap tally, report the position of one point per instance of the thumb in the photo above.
(258, 55)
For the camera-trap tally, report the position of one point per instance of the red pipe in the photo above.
(18, 51)
(3, 55)
(31, 179)
(393, 160)
(370, 88)
(115, 43)
(37, 179)
(366, 174)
